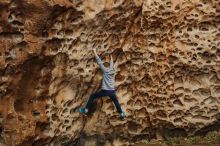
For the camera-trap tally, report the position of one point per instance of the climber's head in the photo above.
(106, 64)
(107, 61)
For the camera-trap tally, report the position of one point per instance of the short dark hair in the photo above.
(106, 64)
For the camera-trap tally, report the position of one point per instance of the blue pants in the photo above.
(109, 93)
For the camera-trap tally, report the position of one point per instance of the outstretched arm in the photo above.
(111, 62)
(99, 61)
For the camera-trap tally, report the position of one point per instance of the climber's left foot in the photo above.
(122, 115)
(83, 110)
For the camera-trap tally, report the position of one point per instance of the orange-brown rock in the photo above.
(167, 60)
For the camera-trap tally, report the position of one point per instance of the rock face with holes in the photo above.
(167, 61)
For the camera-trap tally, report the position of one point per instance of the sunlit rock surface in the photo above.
(167, 60)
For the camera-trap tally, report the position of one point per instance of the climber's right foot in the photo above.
(122, 116)
(83, 111)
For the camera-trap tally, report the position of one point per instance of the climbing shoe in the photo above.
(122, 115)
(83, 111)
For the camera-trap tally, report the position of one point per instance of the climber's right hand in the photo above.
(94, 49)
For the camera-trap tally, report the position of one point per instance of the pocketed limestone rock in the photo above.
(167, 61)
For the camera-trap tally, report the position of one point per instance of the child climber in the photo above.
(107, 88)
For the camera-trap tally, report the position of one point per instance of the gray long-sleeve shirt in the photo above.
(108, 79)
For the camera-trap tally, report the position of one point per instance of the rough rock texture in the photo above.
(167, 55)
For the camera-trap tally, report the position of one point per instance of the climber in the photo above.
(107, 87)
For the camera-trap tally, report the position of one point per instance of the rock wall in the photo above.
(167, 60)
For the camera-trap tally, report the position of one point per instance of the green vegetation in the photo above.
(211, 139)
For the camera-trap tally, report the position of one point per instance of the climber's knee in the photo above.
(93, 96)
(114, 98)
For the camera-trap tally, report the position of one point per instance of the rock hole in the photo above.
(177, 7)
(36, 114)
(54, 117)
(69, 103)
(119, 78)
(178, 102)
(130, 102)
(218, 53)
(19, 105)
(210, 100)
(213, 111)
(178, 120)
(201, 117)
(133, 127)
(45, 34)
(195, 44)
(66, 121)
(72, 111)
(161, 7)
(195, 108)
(138, 103)
(176, 113)
(201, 92)
(216, 91)
(54, 110)
(189, 99)
(16, 37)
(47, 106)
(196, 36)
(65, 110)
(172, 59)
(209, 61)
(17, 23)
(68, 128)
(161, 113)
(189, 29)
(181, 53)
